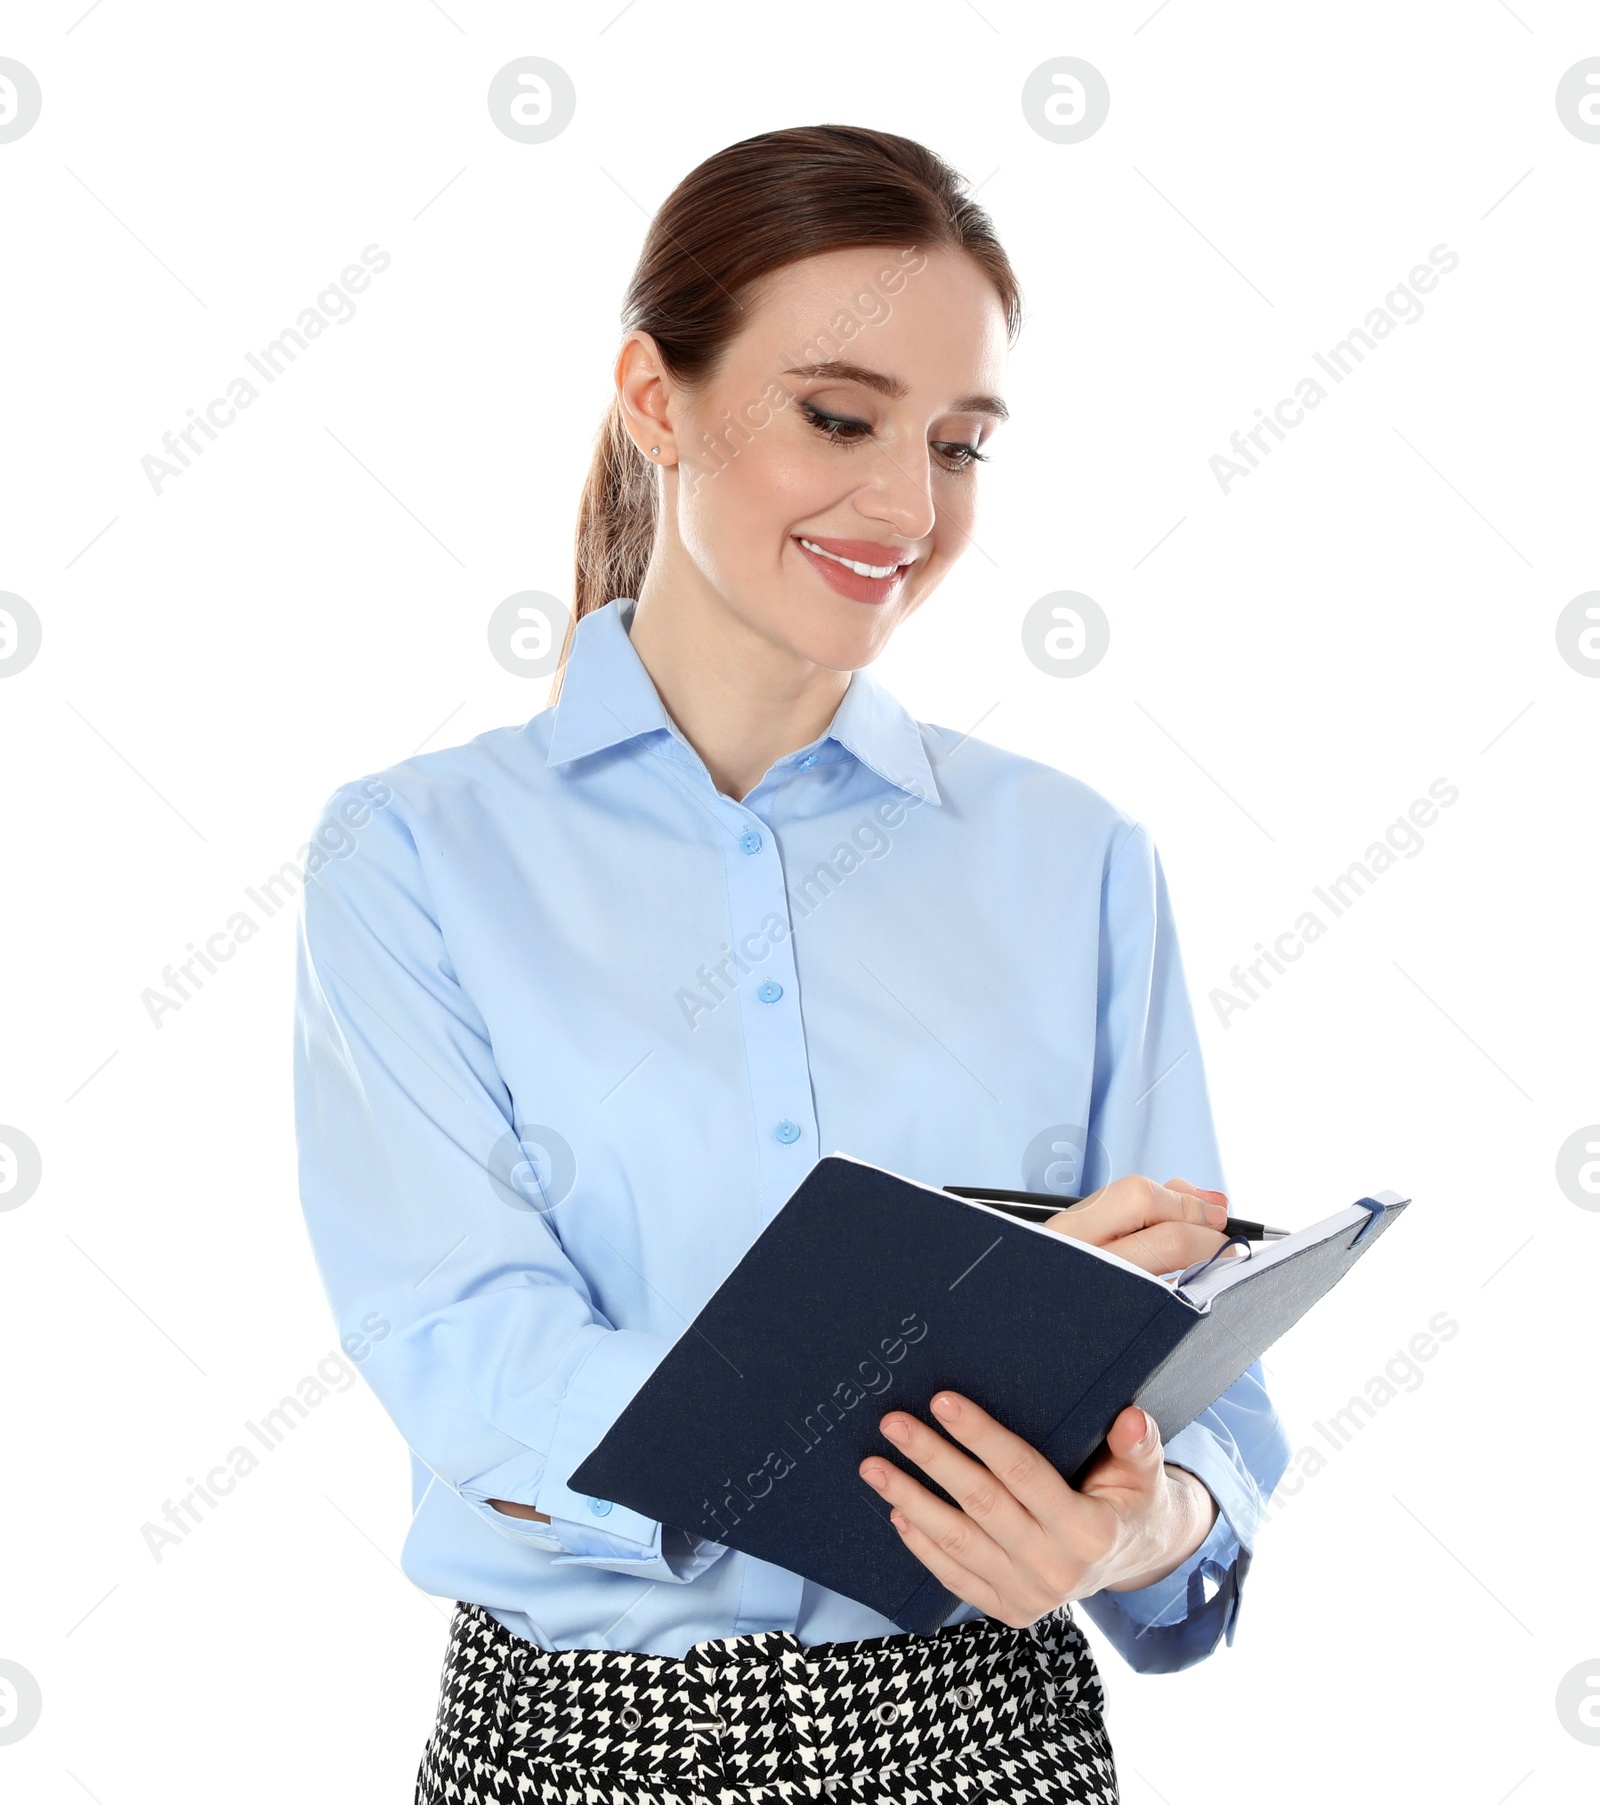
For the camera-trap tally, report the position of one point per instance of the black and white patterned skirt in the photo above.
(975, 1712)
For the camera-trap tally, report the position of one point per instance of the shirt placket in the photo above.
(761, 961)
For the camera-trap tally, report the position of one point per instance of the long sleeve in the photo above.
(493, 1360)
(560, 951)
(1152, 1115)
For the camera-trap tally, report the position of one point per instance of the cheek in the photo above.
(958, 513)
(741, 512)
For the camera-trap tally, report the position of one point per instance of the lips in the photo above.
(851, 583)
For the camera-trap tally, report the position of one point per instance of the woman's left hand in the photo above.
(1024, 1541)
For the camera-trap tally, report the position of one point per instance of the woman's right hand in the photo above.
(1162, 1228)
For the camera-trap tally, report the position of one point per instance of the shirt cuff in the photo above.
(1176, 1621)
(585, 1531)
(1217, 1463)
(1166, 1600)
(1172, 1624)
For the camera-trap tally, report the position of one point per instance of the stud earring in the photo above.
(655, 451)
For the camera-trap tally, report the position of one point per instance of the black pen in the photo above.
(1036, 1206)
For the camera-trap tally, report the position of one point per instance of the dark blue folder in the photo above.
(869, 1292)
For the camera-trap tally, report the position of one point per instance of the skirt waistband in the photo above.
(760, 1710)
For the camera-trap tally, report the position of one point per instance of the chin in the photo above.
(841, 645)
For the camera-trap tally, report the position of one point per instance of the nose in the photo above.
(901, 492)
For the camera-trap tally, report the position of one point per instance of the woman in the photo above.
(582, 1001)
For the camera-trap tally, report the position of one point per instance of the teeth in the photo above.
(861, 570)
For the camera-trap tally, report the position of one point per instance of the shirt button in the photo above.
(750, 840)
(807, 763)
(770, 991)
(600, 1507)
(787, 1132)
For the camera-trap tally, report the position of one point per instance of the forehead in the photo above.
(931, 318)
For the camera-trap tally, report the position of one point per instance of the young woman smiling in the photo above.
(517, 1148)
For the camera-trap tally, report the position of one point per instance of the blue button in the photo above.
(807, 762)
(770, 991)
(787, 1132)
(600, 1507)
(750, 840)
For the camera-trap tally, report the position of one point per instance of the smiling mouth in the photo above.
(861, 570)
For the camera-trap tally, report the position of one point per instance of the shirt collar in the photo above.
(607, 697)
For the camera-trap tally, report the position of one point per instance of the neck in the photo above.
(741, 700)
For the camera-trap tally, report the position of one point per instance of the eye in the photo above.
(965, 455)
(839, 430)
(834, 426)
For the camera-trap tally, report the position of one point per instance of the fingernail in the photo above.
(1149, 1429)
(894, 1428)
(874, 1477)
(1216, 1213)
(946, 1406)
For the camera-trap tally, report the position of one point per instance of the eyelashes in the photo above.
(957, 457)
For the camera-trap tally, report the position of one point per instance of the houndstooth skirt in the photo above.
(976, 1712)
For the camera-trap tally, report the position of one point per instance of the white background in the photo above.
(1373, 609)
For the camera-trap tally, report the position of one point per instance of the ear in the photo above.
(644, 393)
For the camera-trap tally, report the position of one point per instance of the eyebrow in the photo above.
(836, 371)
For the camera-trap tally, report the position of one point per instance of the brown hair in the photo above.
(751, 209)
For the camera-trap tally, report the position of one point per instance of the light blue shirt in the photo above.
(572, 1025)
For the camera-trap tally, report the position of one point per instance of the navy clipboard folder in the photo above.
(869, 1292)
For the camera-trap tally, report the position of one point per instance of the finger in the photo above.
(1015, 1465)
(1134, 1456)
(1169, 1246)
(1182, 1184)
(983, 1501)
(949, 1572)
(1143, 1202)
(1129, 1204)
(962, 1542)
